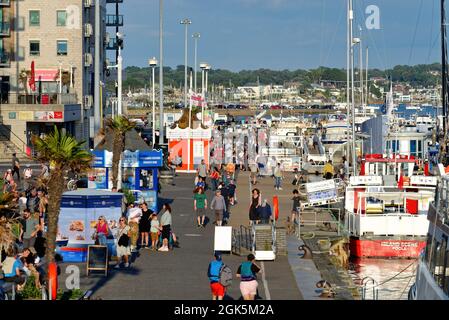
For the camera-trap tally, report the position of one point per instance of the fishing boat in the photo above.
(432, 275)
(386, 207)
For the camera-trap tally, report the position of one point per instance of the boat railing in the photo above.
(319, 219)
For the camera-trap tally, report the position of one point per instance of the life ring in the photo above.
(276, 207)
(53, 280)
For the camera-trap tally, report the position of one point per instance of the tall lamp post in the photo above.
(196, 36)
(186, 23)
(118, 66)
(161, 75)
(153, 63)
(203, 67)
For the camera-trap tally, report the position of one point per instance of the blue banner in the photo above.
(99, 159)
(137, 159)
(150, 158)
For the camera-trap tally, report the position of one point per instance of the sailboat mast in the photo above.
(443, 64)
(351, 31)
(348, 65)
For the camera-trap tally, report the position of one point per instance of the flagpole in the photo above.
(190, 123)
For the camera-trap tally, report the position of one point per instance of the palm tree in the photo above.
(65, 153)
(118, 126)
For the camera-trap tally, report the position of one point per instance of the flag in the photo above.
(32, 81)
(196, 100)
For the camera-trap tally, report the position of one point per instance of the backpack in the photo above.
(214, 271)
(225, 276)
(246, 272)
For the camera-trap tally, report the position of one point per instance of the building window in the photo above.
(62, 47)
(35, 18)
(35, 47)
(61, 18)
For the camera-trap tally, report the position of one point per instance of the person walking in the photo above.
(145, 225)
(200, 206)
(15, 166)
(202, 170)
(123, 249)
(166, 221)
(215, 177)
(265, 213)
(278, 177)
(31, 227)
(102, 231)
(213, 272)
(218, 205)
(254, 169)
(296, 206)
(256, 202)
(247, 272)
(154, 232)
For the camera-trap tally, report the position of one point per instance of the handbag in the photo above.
(124, 240)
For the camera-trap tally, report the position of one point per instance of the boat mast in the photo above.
(348, 65)
(443, 135)
(351, 31)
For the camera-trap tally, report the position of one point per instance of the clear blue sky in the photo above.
(280, 34)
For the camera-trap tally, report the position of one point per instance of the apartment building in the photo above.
(57, 37)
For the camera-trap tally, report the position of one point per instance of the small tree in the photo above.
(65, 153)
(119, 126)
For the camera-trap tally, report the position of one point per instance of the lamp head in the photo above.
(186, 21)
(203, 65)
(152, 62)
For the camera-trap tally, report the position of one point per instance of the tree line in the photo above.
(418, 76)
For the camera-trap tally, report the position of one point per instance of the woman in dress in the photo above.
(123, 249)
(256, 203)
(145, 225)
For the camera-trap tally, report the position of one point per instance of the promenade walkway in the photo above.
(182, 273)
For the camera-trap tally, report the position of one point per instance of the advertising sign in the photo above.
(48, 115)
(423, 180)
(321, 191)
(46, 74)
(26, 115)
(365, 180)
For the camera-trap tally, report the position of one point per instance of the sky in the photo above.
(280, 34)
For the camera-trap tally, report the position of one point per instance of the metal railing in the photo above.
(315, 222)
(243, 238)
(43, 98)
(19, 143)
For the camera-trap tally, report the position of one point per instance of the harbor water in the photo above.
(394, 277)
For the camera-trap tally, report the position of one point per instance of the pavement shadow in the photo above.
(112, 273)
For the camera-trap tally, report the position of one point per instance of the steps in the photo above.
(263, 238)
(7, 147)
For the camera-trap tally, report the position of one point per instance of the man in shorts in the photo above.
(213, 272)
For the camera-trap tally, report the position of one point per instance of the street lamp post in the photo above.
(161, 76)
(119, 72)
(203, 67)
(196, 36)
(153, 63)
(186, 23)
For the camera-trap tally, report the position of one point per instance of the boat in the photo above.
(386, 207)
(432, 274)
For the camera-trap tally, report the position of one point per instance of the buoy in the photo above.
(276, 207)
(53, 280)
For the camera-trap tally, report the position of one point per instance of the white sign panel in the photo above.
(320, 186)
(365, 180)
(223, 239)
(423, 180)
(198, 149)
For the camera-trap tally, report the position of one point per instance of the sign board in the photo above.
(321, 191)
(423, 180)
(46, 74)
(177, 133)
(223, 239)
(137, 159)
(26, 115)
(365, 180)
(97, 259)
(12, 115)
(48, 115)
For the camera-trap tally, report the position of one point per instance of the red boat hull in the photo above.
(386, 248)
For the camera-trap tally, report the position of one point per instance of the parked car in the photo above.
(276, 107)
(179, 105)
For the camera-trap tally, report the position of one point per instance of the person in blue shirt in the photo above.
(213, 272)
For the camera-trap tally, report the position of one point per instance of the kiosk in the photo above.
(140, 166)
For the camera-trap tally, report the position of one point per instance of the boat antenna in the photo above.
(442, 135)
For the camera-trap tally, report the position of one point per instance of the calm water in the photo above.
(382, 270)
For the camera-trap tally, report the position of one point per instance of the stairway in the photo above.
(7, 147)
(264, 238)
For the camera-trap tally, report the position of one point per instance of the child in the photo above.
(231, 194)
(154, 231)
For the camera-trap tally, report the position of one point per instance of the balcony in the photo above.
(44, 98)
(5, 60)
(5, 29)
(5, 3)
(112, 1)
(114, 21)
(112, 44)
